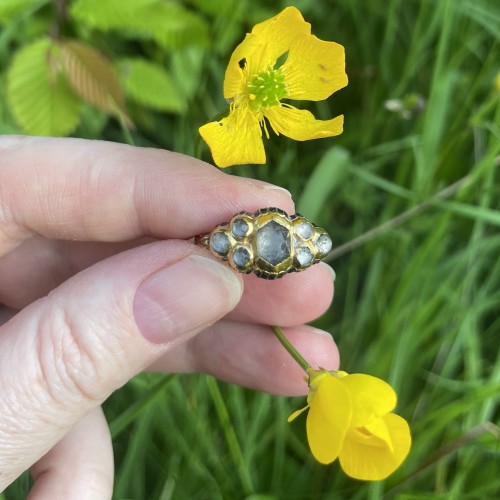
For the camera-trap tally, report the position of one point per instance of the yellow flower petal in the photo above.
(279, 31)
(234, 79)
(378, 429)
(362, 436)
(236, 139)
(300, 125)
(371, 398)
(296, 413)
(314, 69)
(328, 419)
(268, 40)
(368, 460)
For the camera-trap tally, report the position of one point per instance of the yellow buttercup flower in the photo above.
(350, 419)
(255, 84)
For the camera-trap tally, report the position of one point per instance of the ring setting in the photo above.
(269, 243)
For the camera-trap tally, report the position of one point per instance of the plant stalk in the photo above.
(291, 349)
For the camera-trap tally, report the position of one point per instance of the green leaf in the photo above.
(217, 8)
(487, 16)
(120, 423)
(484, 214)
(149, 84)
(110, 14)
(10, 8)
(187, 66)
(169, 24)
(327, 175)
(40, 98)
(7, 122)
(92, 77)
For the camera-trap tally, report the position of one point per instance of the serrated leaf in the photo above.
(39, 97)
(92, 77)
(168, 23)
(10, 8)
(150, 85)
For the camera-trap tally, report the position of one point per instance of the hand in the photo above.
(99, 281)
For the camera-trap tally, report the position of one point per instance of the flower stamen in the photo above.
(266, 89)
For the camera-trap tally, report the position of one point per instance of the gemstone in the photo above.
(241, 256)
(219, 243)
(273, 243)
(324, 244)
(240, 228)
(304, 256)
(304, 229)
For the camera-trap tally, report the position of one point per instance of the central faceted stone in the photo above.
(273, 243)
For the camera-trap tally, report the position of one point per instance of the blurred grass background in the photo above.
(410, 193)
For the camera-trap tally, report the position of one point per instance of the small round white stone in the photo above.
(240, 228)
(297, 242)
(304, 256)
(241, 257)
(324, 244)
(304, 229)
(219, 243)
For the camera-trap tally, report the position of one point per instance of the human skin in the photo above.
(100, 280)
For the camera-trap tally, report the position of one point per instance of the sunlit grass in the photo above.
(416, 302)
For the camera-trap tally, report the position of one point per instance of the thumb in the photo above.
(67, 352)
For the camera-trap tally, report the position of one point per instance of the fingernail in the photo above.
(321, 333)
(266, 185)
(330, 270)
(184, 297)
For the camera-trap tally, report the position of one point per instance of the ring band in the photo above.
(269, 243)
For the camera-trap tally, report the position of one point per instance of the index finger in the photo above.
(103, 191)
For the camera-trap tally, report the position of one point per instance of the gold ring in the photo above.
(269, 243)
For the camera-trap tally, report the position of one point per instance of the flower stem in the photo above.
(289, 347)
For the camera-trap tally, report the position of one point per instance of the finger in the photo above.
(292, 300)
(6, 313)
(251, 356)
(36, 267)
(39, 264)
(93, 190)
(64, 354)
(80, 466)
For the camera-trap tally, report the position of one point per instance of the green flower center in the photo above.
(266, 89)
